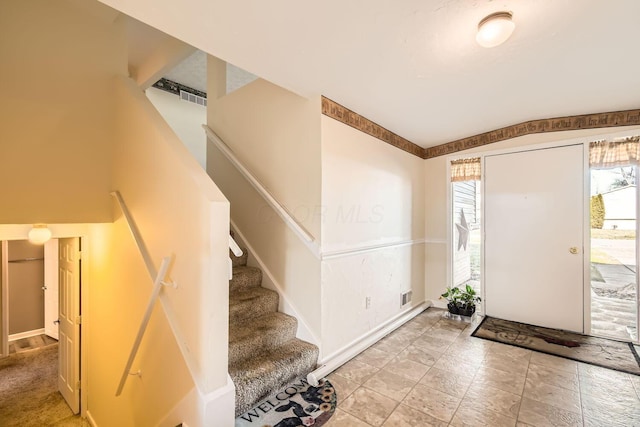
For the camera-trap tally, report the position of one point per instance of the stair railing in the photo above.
(280, 209)
(158, 282)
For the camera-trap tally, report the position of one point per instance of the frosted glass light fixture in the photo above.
(495, 29)
(39, 234)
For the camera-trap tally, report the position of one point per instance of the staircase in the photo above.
(264, 353)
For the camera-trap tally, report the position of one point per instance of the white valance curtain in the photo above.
(614, 153)
(466, 169)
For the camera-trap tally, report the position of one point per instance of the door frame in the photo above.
(586, 249)
(67, 230)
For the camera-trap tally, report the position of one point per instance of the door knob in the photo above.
(44, 288)
(56, 322)
(573, 250)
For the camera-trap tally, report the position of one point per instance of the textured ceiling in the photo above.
(413, 66)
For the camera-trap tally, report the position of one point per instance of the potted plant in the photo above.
(452, 295)
(468, 300)
(461, 301)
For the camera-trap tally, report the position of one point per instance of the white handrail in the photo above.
(234, 247)
(264, 192)
(158, 282)
(157, 286)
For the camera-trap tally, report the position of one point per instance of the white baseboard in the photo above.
(91, 420)
(346, 353)
(26, 334)
(285, 306)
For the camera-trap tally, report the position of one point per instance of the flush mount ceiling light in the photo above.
(495, 29)
(39, 234)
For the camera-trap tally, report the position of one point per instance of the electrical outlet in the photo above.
(367, 302)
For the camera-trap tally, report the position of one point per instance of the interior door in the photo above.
(51, 288)
(534, 237)
(69, 327)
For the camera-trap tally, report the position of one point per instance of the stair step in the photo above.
(248, 338)
(239, 261)
(251, 302)
(257, 378)
(245, 277)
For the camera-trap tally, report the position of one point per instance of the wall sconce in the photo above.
(495, 29)
(39, 234)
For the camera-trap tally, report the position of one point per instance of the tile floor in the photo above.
(431, 372)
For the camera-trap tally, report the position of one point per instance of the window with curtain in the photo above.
(465, 169)
(613, 153)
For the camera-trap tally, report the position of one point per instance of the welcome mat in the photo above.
(618, 355)
(300, 404)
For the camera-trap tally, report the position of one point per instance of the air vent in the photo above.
(186, 96)
(405, 298)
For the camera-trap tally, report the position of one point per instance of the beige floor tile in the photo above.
(470, 355)
(506, 362)
(469, 416)
(635, 380)
(407, 368)
(369, 406)
(513, 383)
(432, 402)
(556, 396)
(614, 407)
(453, 364)
(426, 357)
(610, 422)
(519, 424)
(556, 377)
(344, 386)
(408, 333)
(605, 382)
(480, 397)
(374, 357)
(341, 418)
(554, 362)
(391, 385)
(444, 323)
(392, 345)
(427, 342)
(510, 350)
(453, 383)
(541, 414)
(446, 334)
(357, 371)
(404, 416)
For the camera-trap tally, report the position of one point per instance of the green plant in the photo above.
(452, 295)
(469, 297)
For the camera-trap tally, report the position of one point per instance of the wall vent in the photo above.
(190, 97)
(405, 298)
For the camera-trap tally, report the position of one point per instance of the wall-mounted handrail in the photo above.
(157, 286)
(234, 247)
(282, 211)
(158, 281)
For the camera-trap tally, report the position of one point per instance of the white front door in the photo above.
(51, 288)
(69, 331)
(534, 235)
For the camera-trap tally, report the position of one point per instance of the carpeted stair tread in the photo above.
(248, 338)
(256, 378)
(251, 302)
(239, 261)
(245, 277)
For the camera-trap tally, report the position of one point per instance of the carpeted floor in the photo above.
(29, 392)
(618, 355)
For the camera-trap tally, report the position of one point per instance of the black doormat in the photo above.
(618, 355)
(299, 404)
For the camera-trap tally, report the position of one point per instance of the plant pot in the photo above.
(453, 308)
(467, 311)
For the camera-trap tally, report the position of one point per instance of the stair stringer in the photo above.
(268, 281)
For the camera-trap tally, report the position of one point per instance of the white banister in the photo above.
(234, 247)
(282, 211)
(158, 281)
(157, 286)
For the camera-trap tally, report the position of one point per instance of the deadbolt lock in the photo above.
(573, 250)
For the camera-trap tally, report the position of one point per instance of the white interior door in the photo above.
(69, 331)
(51, 288)
(534, 237)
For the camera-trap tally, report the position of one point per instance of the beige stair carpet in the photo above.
(264, 353)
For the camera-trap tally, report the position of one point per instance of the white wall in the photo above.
(276, 135)
(372, 231)
(186, 120)
(57, 110)
(437, 208)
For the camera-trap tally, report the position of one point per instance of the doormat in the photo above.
(299, 404)
(617, 355)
